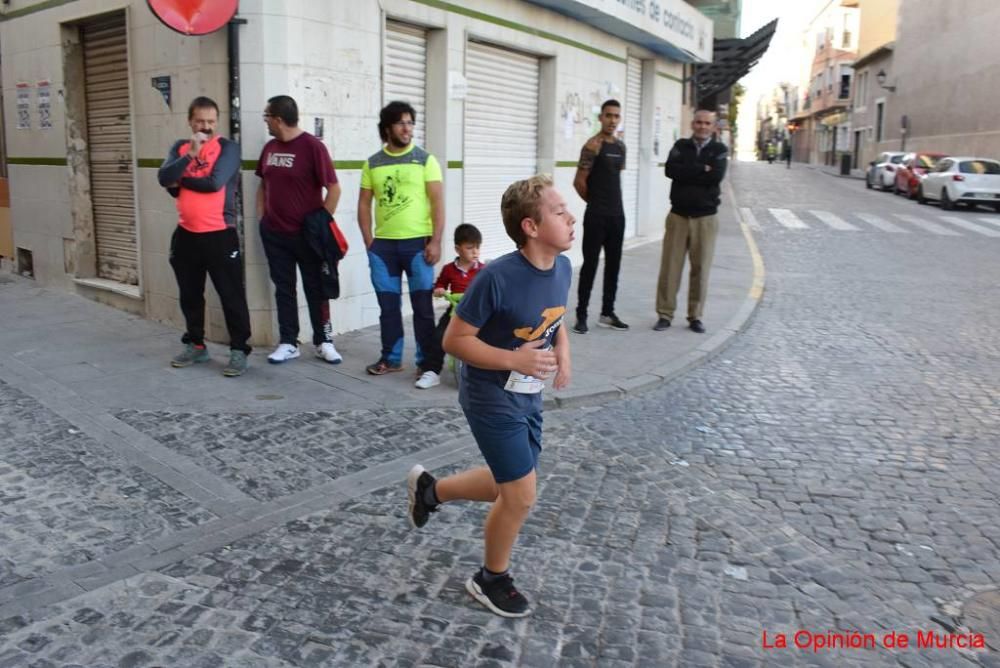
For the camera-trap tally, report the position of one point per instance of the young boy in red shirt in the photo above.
(454, 278)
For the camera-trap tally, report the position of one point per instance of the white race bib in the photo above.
(518, 383)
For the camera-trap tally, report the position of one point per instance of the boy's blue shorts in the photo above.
(509, 443)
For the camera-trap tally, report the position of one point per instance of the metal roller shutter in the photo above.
(633, 115)
(405, 75)
(501, 136)
(109, 140)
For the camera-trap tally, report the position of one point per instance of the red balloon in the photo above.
(194, 17)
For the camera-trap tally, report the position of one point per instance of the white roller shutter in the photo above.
(405, 75)
(501, 136)
(633, 115)
(109, 142)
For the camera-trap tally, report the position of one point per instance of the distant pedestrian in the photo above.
(772, 152)
(404, 181)
(598, 181)
(787, 155)
(508, 331)
(696, 167)
(202, 174)
(453, 280)
(295, 168)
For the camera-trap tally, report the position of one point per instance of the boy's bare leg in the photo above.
(505, 519)
(473, 485)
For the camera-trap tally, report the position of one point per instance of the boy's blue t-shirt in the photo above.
(511, 302)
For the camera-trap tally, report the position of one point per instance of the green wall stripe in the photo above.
(670, 76)
(54, 162)
(31, 9)
(246, 165)
(471, 13)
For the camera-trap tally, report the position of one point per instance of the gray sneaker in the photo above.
(190, 355)
(237, 364)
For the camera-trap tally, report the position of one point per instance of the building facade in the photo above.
(870, 100)
(943, 79)
(95, 92)
(822, 123)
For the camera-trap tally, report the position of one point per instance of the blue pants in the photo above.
(388, 260)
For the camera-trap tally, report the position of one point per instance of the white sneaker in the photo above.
(428, 380)
(283, 353)
(326, 352)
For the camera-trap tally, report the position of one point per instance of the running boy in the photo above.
(507, 329)
(454, 278)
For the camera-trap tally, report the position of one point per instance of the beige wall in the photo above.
(947, 77)
(878, 24)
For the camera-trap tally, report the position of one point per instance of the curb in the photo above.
(678, 366)
(819, 168)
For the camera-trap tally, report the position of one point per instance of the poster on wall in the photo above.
(23, 105)
(44, 105)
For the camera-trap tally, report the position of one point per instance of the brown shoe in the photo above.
(382, 367)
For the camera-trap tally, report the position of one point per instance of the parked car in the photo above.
(882, 170)
(962, 180)
(912, 170)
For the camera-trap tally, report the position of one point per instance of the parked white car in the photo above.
(882, 170)
(962, 180)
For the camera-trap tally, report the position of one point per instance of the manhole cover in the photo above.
(269, 397)
(981, 614)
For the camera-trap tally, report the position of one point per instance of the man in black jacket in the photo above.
(696, 167)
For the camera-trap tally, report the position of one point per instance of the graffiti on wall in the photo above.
(579, 111)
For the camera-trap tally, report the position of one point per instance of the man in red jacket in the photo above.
(201, 173)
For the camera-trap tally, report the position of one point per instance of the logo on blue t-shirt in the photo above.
(551, 318)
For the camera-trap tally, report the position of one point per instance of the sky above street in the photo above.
(780, 63)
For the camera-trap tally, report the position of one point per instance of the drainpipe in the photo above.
(233, 40)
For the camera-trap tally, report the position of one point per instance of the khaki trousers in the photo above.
(696, 238)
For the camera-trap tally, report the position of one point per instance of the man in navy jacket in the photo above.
(696, 167)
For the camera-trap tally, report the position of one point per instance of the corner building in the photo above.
(95, 92)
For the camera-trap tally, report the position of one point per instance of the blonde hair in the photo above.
(522, 200)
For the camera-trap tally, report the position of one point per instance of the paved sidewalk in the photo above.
(119, 361)
(834, 170)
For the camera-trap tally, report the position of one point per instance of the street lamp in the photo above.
(880, 78)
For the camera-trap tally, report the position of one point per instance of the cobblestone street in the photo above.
(832, 471)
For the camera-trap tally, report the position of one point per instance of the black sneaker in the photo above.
(417, 483)
(581, 326)
(696, 326)
(500, 596)
(661, 324)
(613, 322)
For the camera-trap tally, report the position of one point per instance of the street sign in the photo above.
(194, 17)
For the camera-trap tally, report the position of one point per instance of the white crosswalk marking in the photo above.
(880, 223)
(833, 220)
(749, 218)
(979, 229)
(991, 221)
(934, 228)
(788, 219)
